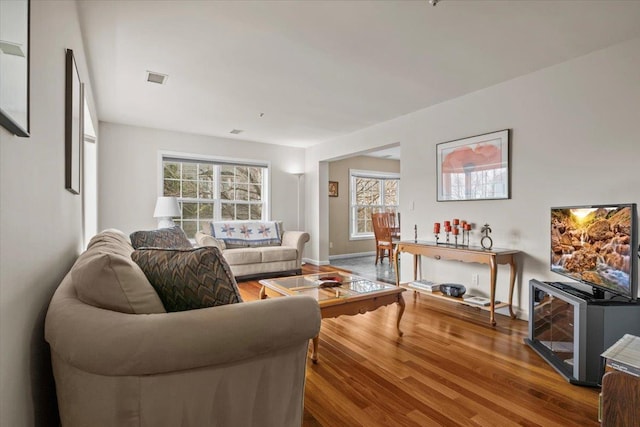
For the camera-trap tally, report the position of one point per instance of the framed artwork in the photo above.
(333, 188)
(74, 129)
(474, 168)
(14, 66)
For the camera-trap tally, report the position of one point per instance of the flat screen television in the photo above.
(598, 246)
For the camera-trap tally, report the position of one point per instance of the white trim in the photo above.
(353, 255)
(372, 174)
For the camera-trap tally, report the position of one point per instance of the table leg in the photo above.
(401, 306)
(512, 282)
(263, 293)
(314, 352)
(494, 276)
(395, 263)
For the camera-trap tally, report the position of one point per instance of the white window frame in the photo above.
(358, 173)
(219, 161)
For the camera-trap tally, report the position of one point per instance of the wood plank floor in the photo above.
(450, 368)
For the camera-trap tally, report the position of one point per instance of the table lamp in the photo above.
(166, 209)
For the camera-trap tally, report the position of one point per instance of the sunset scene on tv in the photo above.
(593, 245)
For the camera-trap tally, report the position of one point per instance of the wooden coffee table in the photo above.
(356, 295)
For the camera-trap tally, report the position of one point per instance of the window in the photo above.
(210, 189)
(371, 192)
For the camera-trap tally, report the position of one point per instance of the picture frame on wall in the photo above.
(14, 66)
(474, 168)
(333, 188)
(74, 128)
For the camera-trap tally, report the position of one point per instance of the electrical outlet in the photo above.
(475, 279)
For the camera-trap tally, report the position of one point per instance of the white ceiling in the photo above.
(321, 69)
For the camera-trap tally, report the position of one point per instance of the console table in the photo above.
(475, 254)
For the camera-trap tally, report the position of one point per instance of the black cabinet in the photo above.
(570, 328)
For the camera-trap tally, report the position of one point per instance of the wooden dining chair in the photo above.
(382, 232)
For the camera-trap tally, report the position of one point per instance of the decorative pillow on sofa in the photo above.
(187, 279)
(173, 237)
(247, 234)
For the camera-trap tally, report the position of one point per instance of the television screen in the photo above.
(596, 245)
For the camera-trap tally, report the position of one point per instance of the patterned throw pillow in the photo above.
(187, 279)
(173, 237)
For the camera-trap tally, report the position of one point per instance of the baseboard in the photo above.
(353, 255)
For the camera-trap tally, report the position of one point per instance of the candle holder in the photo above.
(437, 236)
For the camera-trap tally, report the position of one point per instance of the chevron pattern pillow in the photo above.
(173, 237)
(187, 279)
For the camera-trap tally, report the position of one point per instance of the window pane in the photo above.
(226, 192)
(391, 192)
(189, 210)
(206, 211)
(228, 211)
(190, 228)
(242, 212)
(171, 188)
(256, 211)
(205, 172)
(189, 189)
(242, 175)
(205, 189)
(171, 170)
(255, 192)
(242, 192)
(189, 171)
(255, 175)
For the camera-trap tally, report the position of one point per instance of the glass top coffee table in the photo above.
(338, 294)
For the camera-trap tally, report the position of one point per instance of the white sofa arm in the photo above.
(203, 239)
(111, 343)
(296, 239)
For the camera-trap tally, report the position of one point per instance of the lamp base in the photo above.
(166, 223)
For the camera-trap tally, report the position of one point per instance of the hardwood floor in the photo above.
(450, 368)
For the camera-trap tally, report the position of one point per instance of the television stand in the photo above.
(570, 328)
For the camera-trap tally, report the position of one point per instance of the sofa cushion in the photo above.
(173, 237)
(104, 276)
(243, 234)
(240, 256)
(279, 253)
(187, 279)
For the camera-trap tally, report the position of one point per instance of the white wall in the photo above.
(129, 173)
(576, 140)
(40, 221)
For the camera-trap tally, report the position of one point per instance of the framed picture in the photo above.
(74, 129)
(14, 66)
(333, 188)
(474, 168)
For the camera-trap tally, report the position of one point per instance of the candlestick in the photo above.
(415, 233)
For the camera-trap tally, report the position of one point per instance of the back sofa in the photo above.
(281, 254)
(119, 359)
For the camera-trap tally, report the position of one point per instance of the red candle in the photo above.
(446, 224)
(455, 231)
(447, 228)
(463, 223)
(456, 221)
(467, 227)
(436, 227)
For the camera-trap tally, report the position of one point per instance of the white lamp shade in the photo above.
(166, 207)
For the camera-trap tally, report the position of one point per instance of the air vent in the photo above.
(153, 77)
(236, 131)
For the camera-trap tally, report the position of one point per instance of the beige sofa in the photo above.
(260, 261)
(120, 360)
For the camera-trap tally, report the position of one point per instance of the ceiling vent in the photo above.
(236, 131)
(153, 77)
